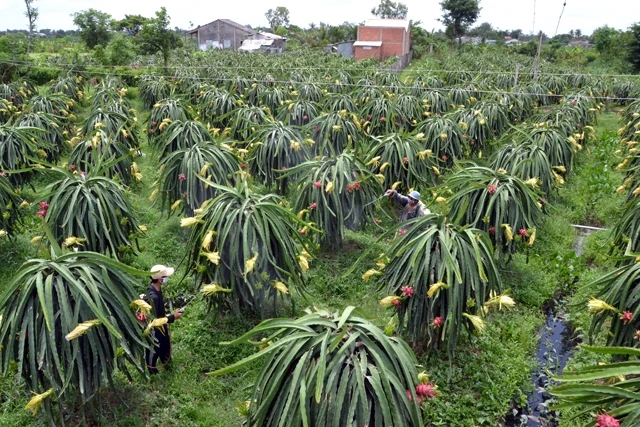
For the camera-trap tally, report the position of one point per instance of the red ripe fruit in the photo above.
(405, 160)
(426, 390)
(606, 420)
(626, 317)
(523, 232)
(444, 157)
(243, 166)
(402, 232)
(313, 205)
(153, 123)
(305, 117)
(317, 184)
(407, 291)
(396, 302)
(182, 177)
(492, 230)
(356, 186)
(437, 322)
(382, 119)
(411, 398)
(72, 167)
(491, 189)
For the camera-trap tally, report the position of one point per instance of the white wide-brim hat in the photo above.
(158, 271)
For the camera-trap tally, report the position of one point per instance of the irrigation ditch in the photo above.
(555, 346)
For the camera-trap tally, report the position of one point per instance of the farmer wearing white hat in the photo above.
(162, 350)
(411, 206)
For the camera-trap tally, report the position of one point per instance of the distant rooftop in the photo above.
(226, 21)
(388, 23)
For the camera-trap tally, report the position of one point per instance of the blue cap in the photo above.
(414, 195)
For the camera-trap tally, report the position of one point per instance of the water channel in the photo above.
(555, 347)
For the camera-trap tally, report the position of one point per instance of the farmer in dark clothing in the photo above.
(162, 350)
(411, 207)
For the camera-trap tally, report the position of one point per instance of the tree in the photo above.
(605, 39)
(458, 15)
(515, 34)
(32, 15)
(578, 33)
(155, 36)
(95, 27)
(634, 46)
(278, 17)
(485, 31)
(390, 10)
(132, 24)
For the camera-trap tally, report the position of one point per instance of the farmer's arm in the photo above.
(398, 198)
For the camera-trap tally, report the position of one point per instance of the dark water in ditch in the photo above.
(557, 341)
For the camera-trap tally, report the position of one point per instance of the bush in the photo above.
(332, 369)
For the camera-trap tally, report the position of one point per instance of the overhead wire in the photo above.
(561, 12)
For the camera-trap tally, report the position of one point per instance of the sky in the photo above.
(585, 15)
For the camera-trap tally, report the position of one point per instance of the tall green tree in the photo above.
(155, 36)
(388, 9)
(32, 16)
(132, 24)
(634, 46)
(278, 17)
(94, 26)
(458, 15)
(606, 39)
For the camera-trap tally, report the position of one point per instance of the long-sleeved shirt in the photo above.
(407, 214)
(158, 303)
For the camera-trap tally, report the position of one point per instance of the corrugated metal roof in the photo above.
(367, 43)
(235, 24)
(226, 21)
(387, 23)
(254, 44)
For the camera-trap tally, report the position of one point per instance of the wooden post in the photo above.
(536, 63)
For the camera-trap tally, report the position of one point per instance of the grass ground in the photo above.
(488, 374)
